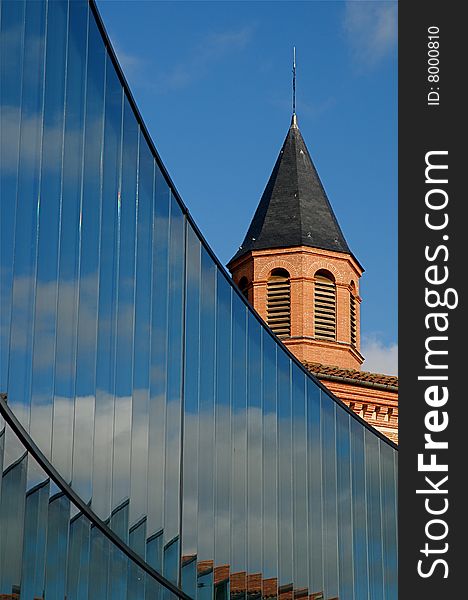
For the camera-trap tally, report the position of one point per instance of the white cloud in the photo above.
(132, 65)
(379, 358)
(371, 29)
(208, 52)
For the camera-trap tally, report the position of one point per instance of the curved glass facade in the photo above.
(143, 377)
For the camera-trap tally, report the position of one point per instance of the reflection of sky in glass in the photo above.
(142, 375)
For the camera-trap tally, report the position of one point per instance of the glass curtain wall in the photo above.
(50, 548)
(141, 374)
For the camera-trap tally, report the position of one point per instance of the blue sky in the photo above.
(213, 83)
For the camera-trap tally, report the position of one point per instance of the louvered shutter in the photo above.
(279, 304)
(325, 308)
(352, 311)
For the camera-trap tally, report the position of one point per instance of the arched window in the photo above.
(279, 303)
(244, 286)
(352, 313)
(325, 306)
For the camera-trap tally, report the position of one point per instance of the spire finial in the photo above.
(294, 118)
(294, 82)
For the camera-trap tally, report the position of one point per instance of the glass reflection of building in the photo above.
(155, 438)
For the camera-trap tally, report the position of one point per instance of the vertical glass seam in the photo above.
(320, 428)
(117, 298)
(214, 396)
(277, 502)
(38, 204)
(366, 511)
(307, 478)
(292, 465)
(351, 499)
(395, 494)
(59, 244)
(135, 255)
(98, 273)
(150, 309)
(20, 110)
(182, 400)
(59, 230)
(231, 398)
(79, 248)
(261, 466)
(166, 353)
(136, 217)
(382, 526)
(306, 465)
(335, 434)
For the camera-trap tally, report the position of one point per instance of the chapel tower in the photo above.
(295, 267)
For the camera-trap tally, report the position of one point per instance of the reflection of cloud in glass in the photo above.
(52, 138)
(46, 314)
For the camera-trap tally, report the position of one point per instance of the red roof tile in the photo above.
(361, 377)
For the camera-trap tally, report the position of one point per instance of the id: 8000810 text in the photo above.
(433, 77)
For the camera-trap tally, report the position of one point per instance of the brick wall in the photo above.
(302, 263)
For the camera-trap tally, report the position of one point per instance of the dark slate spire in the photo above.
(294, 209)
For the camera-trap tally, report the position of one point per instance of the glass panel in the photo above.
(300, 500)
(190, 426)
(345, 522)
(374, 520)
(126, 215)
(189, 575)
(78, 558)
(57, 546)
(136, 580)
(176, 293)
(358, 482)
(68, 268)
(330, 525)
(2, 451)
(254, 458)
(395, 529)
(389, 518)
(285, 523)
(205, 580)
(28, 182)
(12, 506)
(239, 451)
(90, 224)
(142, 336)
(171, 562)
(206, 427)
(314, 455)
(49, 230)
(105, 371)
(99, 564)
(35, 537)
(117, 562)
(157, 418)
(222, 556)
(11, 45)
(154, 551)
(270, 469)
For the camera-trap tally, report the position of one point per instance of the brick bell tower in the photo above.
(295, 267)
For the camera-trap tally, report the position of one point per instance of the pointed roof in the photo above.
(294, 209)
